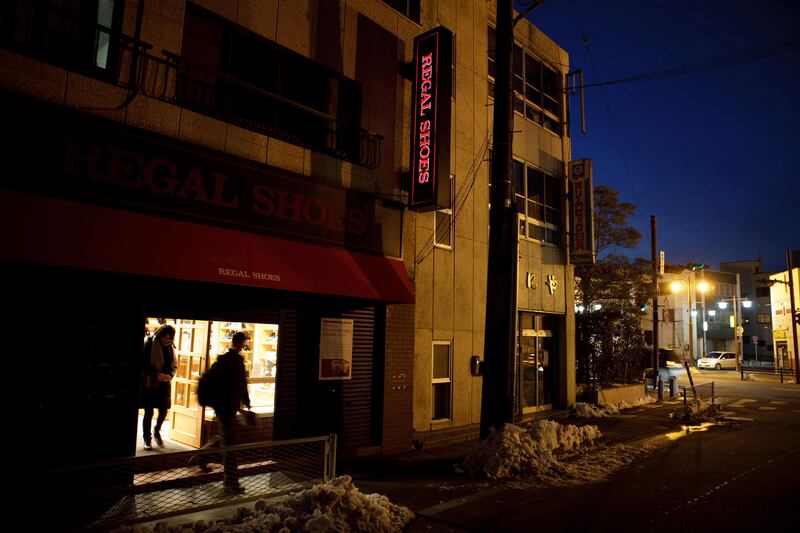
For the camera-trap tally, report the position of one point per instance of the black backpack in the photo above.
(207, 387)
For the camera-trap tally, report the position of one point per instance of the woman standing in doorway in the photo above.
(158, 368)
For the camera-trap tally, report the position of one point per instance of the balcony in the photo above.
(173, 79)
(91, 46)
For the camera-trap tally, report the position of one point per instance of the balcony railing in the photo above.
(59, 38)
(216, 94)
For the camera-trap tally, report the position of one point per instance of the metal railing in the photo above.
(783, 373)
(700, 391)
(137, 489)
(231, 99)
(128, 62)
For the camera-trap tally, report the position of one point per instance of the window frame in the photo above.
(412, 7)
(442, 381)
(551, 233)
(451, 224)
(78, 51)
(536, 112)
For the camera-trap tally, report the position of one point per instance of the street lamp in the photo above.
(735, 323)
(702, 286)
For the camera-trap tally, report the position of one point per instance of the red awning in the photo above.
(59, 232)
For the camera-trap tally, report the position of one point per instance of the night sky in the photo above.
(713, 153)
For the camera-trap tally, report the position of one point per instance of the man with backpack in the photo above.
(226, 382)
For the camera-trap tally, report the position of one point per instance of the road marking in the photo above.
(729, 481)
(787, 390)
(765, 408)
(741, 403)
(778, 402)
(436, 509)
(739, 418)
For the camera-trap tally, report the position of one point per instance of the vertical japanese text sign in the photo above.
(582, 212)
(430, 120)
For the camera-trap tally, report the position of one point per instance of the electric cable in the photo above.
(612, 124)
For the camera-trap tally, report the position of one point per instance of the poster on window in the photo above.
(336, 349)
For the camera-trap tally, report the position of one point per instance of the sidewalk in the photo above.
(429, 480)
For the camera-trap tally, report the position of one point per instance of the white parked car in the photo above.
(718, 360)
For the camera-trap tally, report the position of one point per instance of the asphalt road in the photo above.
(740, 474)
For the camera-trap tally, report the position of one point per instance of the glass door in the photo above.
(537, 355)
(191, 349)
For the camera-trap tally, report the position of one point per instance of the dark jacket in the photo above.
(231, 381)
(154, 393)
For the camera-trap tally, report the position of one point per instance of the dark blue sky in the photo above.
(715, 153)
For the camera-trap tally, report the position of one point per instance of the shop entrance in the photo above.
(197, 345)
(537, 357)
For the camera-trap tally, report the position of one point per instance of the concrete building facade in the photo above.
(243, 164)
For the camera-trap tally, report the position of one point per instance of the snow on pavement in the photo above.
(333, 506)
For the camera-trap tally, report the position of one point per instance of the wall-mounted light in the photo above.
(705, 325)
(722, 305)
(712, 313)
(694, 312)
(597, 307)
(747, 304)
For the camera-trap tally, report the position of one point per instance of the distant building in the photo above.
(756, 318)
(782, 331)
(695, 321)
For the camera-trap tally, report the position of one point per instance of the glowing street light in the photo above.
(701, 286)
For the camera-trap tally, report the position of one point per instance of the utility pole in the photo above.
(497, 398)
(792, 316)
(654, 256)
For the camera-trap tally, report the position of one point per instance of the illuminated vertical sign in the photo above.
(582, 212)
(430, 120)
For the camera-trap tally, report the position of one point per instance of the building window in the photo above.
(238, 76)
(442, 398)
(537, 87)
(539, 199)
(408, 8)
(82, 35)
(762, 292)
(444, 223)
(763, 319)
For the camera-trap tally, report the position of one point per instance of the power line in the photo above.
(460, 199)
(611, 122)
(693, 67)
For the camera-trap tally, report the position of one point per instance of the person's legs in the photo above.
(201, 460)
(231, 475)
(162, 415)
(147, 422)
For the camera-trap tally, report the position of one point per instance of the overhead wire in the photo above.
(460, 199)
(696, 67)
(612, 124)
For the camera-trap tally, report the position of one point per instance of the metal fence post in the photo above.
(330, 458)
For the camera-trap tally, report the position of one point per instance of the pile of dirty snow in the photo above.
(587, 410)
(518, 452)
(333, 506)
(695, 411)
